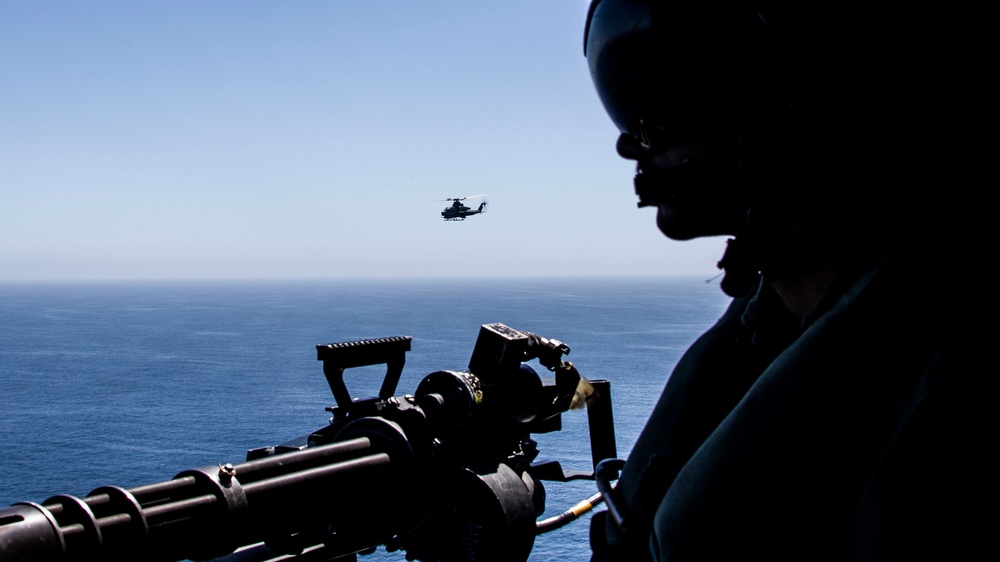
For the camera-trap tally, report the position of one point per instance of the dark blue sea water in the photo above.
(130, 383)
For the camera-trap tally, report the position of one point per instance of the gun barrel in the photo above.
(201, 513)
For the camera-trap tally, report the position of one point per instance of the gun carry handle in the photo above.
(337, 357)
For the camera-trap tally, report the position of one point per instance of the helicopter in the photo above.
(457, 211)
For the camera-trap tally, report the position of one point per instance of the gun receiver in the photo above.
(446, 473)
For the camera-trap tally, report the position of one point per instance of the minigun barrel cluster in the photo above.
(446, 473)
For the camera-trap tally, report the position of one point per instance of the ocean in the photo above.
(130, 383)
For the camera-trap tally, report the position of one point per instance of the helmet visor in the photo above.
(665, 70)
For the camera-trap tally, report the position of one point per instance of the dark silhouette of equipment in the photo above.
(457, 211)
(448, 473)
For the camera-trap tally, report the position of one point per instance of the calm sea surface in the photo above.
(130, 383)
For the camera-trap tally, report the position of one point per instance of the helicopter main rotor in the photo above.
(460, 198)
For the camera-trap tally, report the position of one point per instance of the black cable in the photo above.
(569, 515)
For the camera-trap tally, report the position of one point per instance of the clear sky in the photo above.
(309, 139)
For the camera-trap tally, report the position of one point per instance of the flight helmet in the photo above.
(775, 84)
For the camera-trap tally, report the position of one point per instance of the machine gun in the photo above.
(448, 473)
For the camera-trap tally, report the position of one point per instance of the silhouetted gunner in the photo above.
(839, 409)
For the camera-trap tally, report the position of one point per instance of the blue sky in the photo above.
(250, 139)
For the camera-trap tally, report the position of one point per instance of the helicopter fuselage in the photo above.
(457, 211)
